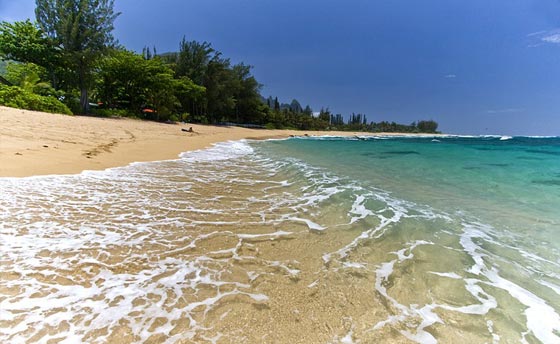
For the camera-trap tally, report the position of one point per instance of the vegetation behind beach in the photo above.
(69, 62)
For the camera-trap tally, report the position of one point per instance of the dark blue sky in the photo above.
(476, 67)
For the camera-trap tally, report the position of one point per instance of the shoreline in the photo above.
(35, 143)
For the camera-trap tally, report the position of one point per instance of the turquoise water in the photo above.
(507, 182)
(306, 240)
(501, 197)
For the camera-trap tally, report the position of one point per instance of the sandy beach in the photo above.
(299, 241)
(35, 143)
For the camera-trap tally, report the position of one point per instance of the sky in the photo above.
(475, 67)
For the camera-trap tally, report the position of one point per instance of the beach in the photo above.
(37, 143)
(218, 238)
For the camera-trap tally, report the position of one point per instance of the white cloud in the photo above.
(450, 76)
(554, 38)
(537, 33)
(539, 38)
(500, 111)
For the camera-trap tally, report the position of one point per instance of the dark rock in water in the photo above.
(385, 155)
(549, 182)
(529, 158)
(538, 151)
(401, 153)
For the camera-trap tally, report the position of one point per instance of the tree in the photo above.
(248, 100)
(295, 106)
(427, 126)
(325, 115)
(128, 80)
(206, 67)
(28, 76)
(83, 29)
(193, 60)
(25, 42)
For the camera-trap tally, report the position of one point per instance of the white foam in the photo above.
(270, 236)
(310, 224)
(552, 286)
(495, 337)
(347, 339)
(313, 284)
(428, 319)
(219, 152)
(542, 320)
(92, 215)
(353, 265)
(359, 208)
(446, 274)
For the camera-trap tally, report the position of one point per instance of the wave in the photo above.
(374, 136)
(173, 246)
(219, 151)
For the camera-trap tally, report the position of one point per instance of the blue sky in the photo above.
(476, 67)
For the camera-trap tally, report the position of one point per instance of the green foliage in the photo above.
(193, 60)
(17, 97)
(23, 41)
(231, 92)
(3, 67)
(392, 127)
(113, 113)
(128, 80)
(427, 126)
(72, 46)
(83, 30)
(72, 101)
(29, 76)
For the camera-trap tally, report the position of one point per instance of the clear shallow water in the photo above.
(302, 240)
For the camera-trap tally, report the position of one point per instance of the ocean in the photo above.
(447, 239)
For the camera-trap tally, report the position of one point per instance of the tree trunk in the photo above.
(84, 99)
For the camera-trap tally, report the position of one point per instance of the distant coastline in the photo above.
(37, 143)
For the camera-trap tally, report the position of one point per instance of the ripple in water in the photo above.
(230, 245)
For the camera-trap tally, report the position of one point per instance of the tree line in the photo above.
(68, 61)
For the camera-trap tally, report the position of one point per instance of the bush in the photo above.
(16, 97)
(113, 113)
(72, 101)
(271, 126)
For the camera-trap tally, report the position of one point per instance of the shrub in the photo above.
(270, 126)
(72, 101)
(113, 113)
(16, 97)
